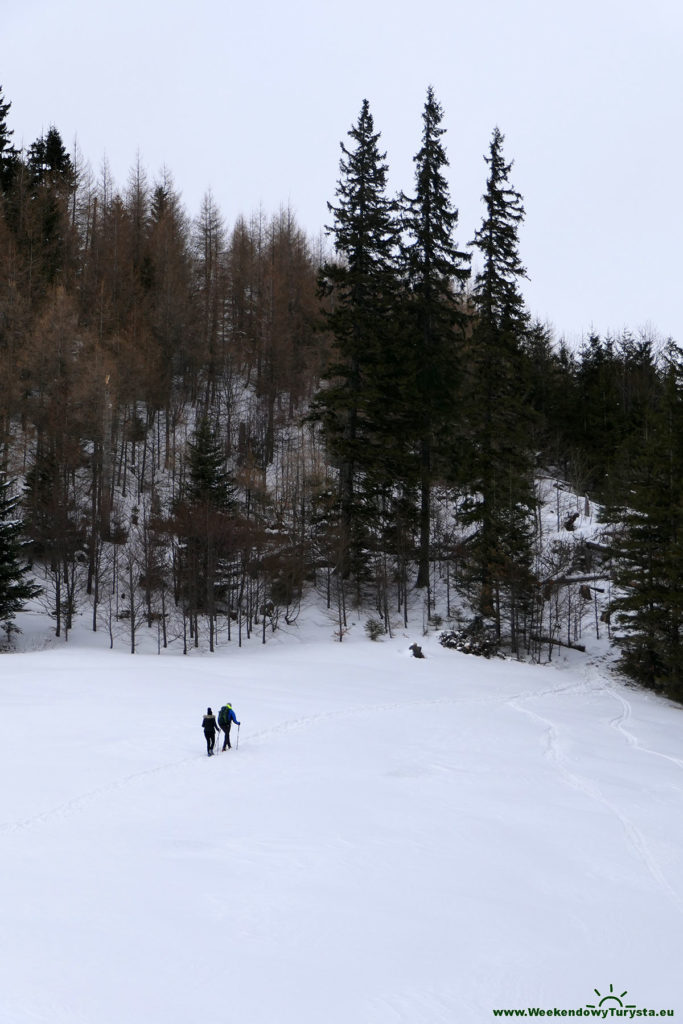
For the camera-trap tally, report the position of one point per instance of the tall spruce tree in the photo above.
(204, 526)
(15, 588)
(361, 287)
(501, 467)
(9, 156)
(48, 160)
(210, 482)
(435, 272)
(48, 224)
(648, 608)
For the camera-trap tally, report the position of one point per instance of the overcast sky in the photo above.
(251, 100)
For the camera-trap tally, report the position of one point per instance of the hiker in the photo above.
(210, 726)
(226, 716)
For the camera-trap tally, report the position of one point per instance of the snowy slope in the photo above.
(394, 842)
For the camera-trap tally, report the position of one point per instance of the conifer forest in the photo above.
(202, 423)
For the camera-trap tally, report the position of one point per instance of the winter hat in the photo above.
(209, 711)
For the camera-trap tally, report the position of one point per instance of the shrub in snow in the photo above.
(374, 629)
(470, 641)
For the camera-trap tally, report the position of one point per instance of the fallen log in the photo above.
(558, 643)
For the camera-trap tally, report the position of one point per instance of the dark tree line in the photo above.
(206, 419)
(440, 384)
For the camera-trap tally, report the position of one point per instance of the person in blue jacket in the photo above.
(226, 716)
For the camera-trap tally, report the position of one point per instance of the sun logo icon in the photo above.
(610, 998)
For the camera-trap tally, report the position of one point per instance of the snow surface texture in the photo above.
(394, 842)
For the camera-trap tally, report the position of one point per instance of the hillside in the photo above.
(394, 841)
(200, 420)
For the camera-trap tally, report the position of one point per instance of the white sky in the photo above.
(251, 99)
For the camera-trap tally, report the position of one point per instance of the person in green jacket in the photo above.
(226, 716)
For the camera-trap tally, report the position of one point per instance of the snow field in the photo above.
(394, 841)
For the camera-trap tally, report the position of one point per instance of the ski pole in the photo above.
(237, 745)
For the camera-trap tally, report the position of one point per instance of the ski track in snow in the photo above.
(619, 723)
(82, 800)
(299, 723)
(552, 752)
(78, 802)
(556, 723)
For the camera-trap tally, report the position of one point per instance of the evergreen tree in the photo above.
(617, 384)
(435, 272)
(210, 483)
(9, 156)
(361, 289)
(15, 588)
(204, 526)
(649, 546)
(48, 226)
(501, 468)
(548, 384)
(48, 160)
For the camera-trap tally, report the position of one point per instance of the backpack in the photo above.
(224, 716)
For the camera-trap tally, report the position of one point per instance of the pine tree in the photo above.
(648, 608)
(210, 483)
(617, 382)
(203, 524)
(47, 220)
(48, 161)
(9, 156)
(501, 468)
(435, 272)
(361, 288)
(15, 588)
